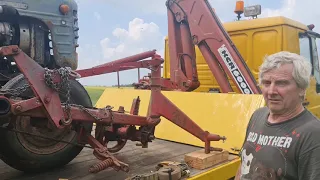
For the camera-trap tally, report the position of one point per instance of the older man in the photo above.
(282, 139)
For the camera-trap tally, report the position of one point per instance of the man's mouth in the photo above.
(274, 100)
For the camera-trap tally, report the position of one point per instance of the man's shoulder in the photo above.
(308, 126)
(311, 122)
(261, 111)
(309, 132)
(259, 114)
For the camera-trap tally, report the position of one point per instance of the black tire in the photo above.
(16, 149)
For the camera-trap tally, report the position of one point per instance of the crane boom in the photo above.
(194, 22)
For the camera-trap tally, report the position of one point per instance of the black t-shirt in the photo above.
(286, 150)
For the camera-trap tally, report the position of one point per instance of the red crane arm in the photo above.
(193, 22)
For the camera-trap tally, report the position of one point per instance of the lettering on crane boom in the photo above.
(233, 68)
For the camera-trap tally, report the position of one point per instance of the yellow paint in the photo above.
(236, 26)
(223, 114)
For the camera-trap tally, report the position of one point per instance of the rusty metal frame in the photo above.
(46, 103)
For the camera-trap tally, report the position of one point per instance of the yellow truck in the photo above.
(220, 112)
(256, 38)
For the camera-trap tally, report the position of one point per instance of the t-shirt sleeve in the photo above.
(309, 156)
(247, 129)
(309, 164)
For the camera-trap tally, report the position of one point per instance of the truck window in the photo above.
(305, 47)
(315, 58)
(308, 49)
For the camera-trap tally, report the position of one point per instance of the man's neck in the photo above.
(277, 118)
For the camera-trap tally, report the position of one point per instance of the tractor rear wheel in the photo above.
(35, 154)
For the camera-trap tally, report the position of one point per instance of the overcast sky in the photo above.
(115, 29)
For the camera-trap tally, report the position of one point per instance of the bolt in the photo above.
(15, 50)
(121, 109)
(18, 108)
(195, 39)
(47, 99)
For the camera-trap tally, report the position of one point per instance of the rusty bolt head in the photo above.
(47, 99)
(15, 50)
(18, 108)
(195, 39)
(121, 109)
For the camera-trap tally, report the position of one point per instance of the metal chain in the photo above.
(64, 73)
(15, 92)
(107, 108)
(64, 82)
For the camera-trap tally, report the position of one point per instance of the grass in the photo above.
(94, 93)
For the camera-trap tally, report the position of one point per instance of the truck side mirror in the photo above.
(318, 88)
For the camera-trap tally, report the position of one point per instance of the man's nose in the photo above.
(272, 89)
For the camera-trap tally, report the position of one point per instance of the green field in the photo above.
(94, 92)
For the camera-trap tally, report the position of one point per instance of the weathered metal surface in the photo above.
(34, 73)
(215, 112)
(63, 27)
(39, 145)
(193, 22)
(122, 126)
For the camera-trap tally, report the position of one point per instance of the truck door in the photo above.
(308, 49)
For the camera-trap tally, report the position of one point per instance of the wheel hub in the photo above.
(39, 127)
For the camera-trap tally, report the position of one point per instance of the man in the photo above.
(282, 139)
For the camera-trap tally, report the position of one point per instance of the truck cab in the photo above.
(256, 38)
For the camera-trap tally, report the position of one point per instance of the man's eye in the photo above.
(266, 83)
(282, 83)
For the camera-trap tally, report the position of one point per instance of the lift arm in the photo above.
(194, 22)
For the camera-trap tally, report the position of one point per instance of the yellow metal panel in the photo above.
(223, 114)
(291, 39)
(264, 42)
(262, 23)
(166, 64)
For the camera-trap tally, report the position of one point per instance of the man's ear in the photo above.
(302, 93)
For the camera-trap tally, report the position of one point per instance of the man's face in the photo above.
(280, 91)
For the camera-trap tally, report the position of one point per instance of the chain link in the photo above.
(15, 92)
(64, 84)
(64, 73)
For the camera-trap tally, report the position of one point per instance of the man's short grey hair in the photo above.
(301, 67)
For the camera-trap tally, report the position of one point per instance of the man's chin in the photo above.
(274, 109)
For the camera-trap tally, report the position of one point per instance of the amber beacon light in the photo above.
(239, 8)
(64, 9)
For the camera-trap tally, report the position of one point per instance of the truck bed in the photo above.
(140, 160)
